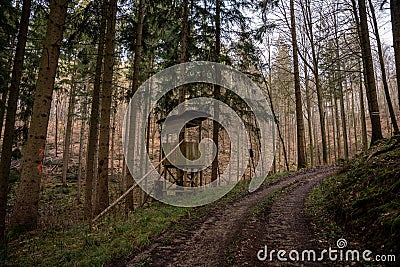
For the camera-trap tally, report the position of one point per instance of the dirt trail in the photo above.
(282, 226)
(207, 244)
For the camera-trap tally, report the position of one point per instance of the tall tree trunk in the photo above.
(395, 14)
(81, 147)
(348, 108)
(276, 120)
(363, 72)
(383, 70)
(340, 86)
(343, 117)
(363, 117)
(333, 121)
(287, 135)
(328, 135)
(301, 158)
(310, 33)
(275, 112)
(353, 113)
(94, 118)
(5, 89)
(4, 96)
(56, 127)
(183, 59)
(112, 156)
(138, 47)
(135, 85)
(11, 112)
(308, 106)
(27, 200)
(217, 88)
(68, 130)
(318, 152)
(102, 195)
(369, 67)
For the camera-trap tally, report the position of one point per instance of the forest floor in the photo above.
(358, 201)
(354, 207)
(234, 235)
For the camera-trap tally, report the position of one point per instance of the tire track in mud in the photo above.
(284, 225)
(206, 244)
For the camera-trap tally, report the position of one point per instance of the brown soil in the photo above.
(282, 226)
(209, 241)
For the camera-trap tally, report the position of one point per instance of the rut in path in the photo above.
(283, 226)
(206, 245)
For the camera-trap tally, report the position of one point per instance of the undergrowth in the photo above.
(115, 238)
(362, 201)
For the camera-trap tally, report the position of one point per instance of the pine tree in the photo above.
(301, 159)
(94, 116)
(8, 139)
(102, 194)
(26, 207)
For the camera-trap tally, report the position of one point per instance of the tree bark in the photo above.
(4, 96)
(308, 106)
(135, 85)
(395, 14)
(333, 122)
(341, 96)
(383, 71)
(301, 159)
(138, 47)
(182, 91)
(5, 88)
(11, 112)
(56, 127)
(363, 117)
(94, 118)
(337, 125)
(310, 33)
(353, 113)
(217, 89)
(112, 156)
(26, 207)
(102, 195)
(328, 135)
(276, 120)
(370, 78)
(68, 130)
(363, 72)
(343, 115)
(81, 147)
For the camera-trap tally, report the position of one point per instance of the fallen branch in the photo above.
(133, 186)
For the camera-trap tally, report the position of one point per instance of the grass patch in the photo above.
(84, 245)
(114, 239)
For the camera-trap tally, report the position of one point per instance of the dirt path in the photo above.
(207, 244)
(281, 226)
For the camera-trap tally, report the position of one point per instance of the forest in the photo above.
(328, 72)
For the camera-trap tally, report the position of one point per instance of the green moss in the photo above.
(83, 245)
(114, 237)
(363, 200)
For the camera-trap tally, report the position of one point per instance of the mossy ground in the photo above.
(65, 239)
(362, 201)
